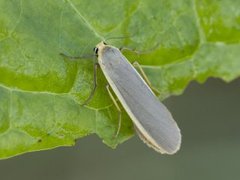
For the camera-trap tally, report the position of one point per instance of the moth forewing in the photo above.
(154, 123)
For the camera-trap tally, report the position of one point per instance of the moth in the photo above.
(152, 120)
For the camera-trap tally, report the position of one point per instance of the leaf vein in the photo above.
(198, 23)
(85, 20)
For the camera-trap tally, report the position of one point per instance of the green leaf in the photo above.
(41, 92)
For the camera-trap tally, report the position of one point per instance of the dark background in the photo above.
(209, 117)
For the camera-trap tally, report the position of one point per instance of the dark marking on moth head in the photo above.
(95, 51)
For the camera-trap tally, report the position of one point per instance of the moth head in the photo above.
(99, 46)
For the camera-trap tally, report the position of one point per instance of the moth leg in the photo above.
(136, 64)
(96, 65)
(118, 108)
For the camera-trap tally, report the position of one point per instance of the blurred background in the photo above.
(209, 117)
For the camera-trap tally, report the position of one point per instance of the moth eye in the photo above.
(104, 43)
(95, 50)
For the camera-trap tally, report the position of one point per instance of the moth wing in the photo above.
(154, 123)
